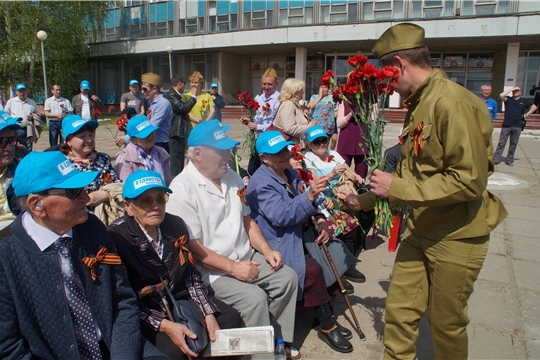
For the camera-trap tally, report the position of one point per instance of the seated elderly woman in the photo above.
(330, 164)
(154, 248)
(79, 147)
(141, 153)
(281, 205)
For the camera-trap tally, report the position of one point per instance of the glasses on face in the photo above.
(146, 200)
(69, 193)
(8, 140)
(320, 141)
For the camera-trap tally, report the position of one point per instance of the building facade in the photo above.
(232, 42)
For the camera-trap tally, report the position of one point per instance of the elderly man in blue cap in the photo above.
(85, 104)
(27, 112)
(238, 264)
(64, 293)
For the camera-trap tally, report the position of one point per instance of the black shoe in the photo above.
(354, 275)
(496, 162)
(336, 341)
(347, 334)
(349, 288)
(511, 164)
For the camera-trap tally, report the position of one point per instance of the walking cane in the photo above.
(342, 288)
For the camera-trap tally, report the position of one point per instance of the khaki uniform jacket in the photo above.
(446, 183)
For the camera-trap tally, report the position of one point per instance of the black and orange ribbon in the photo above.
(242, 194)
(180, 244)
(102, 257)
(417, 138)
(302, 188)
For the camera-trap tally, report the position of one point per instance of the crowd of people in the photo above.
(80, 285)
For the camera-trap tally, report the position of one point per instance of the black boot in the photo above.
(329, 331)
(354, 275)
(349, 288)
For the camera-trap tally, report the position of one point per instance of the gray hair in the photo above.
(21, 201)
(190, 151)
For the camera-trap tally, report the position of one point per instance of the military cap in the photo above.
(402, 36)
(153, 79)
(270, 72)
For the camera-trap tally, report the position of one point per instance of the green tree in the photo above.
(68, 24)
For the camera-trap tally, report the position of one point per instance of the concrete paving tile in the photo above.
(526, 248)
(533, 349)
(523, 212)
(497, 243)
(522, 227)
(500, 303)
(526, 273)
(490, 344)
(522, 200)
(530, 312)
(494, 269)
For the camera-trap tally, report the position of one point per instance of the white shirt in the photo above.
(54, 106)
(17, 108)
(85, 111)
(213, 217)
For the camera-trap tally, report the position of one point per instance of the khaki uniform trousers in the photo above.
(440, 273)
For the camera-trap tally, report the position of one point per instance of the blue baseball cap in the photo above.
(133, 82)
(143, 180)
(211, 133)
(140, 127)
(271, 142)
(20, 87)
(9, 122)
(85, 85)
(213, 85)
(73, 123)
(48, 170)
(315, 132)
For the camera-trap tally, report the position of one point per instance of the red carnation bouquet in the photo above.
(251, 105)
(366, 92)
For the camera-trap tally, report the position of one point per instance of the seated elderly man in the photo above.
(64, 293)
(240, 267)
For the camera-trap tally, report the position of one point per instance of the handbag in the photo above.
(341, 256)
(345, 182)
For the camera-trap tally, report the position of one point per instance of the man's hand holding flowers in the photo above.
(351, 200)
(380, 181)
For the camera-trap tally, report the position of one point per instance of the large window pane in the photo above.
(534, 61)
(353, 12)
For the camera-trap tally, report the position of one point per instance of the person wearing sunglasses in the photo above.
(140, 153)
(155, 250)
(329, 163)
(65, 293)
(79, 147)
(9, 209)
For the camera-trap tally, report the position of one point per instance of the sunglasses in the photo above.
(146, 201)
(320, 141)
(8, 140)
(69, 193)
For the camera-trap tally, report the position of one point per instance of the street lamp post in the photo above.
(42, 36)
(170, 50)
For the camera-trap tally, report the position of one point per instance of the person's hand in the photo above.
(274, 258)
(339, 169)
(316, 186)
(176, 333)
(328, 203)
(196, 120)
(360, 179)
(245, 120)
(94, 98)
(213, 96)
(252, 126)
(97, 197)
(246, 270)
(379, 182)
(194, 90)
(211, 326)
(351, 200)
(324, 233)
(30, 117)
(120, 141)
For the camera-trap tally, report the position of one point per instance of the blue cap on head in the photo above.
(73, 123)
(85, 85)
(315, 132)
(271, 142)
(142, 180)
(48, 170)
(133, 82)
(213, 85)
(8, 122)
(140, 127)
(20, 87)
(211, 133)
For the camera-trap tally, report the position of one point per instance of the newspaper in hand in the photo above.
(242, 341)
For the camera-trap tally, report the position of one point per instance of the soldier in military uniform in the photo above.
(442, 174)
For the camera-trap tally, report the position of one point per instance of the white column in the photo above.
(300, 64)
(510, 72)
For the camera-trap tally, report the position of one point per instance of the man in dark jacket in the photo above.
(64, 293)
(219, 102)
(179, 130)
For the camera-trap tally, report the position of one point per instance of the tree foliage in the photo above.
(68, 24)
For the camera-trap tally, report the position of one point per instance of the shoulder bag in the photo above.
(274, 127)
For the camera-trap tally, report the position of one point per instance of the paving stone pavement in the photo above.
(504, 309)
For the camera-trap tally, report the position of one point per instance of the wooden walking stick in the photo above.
(342, 288)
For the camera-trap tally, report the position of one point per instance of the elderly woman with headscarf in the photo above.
(141, 153)
(281, 206)
(154, 248)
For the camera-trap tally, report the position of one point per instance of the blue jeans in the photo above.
(23, 139)
(54, 132)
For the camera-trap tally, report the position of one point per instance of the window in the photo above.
(258, 19)
(110, 28)
(203, 63)
(161, 18)
(339, 12)
(135, 21)
(133, 69)
(222, 15)
(528, 73)
(109, 80)
(384, 9)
